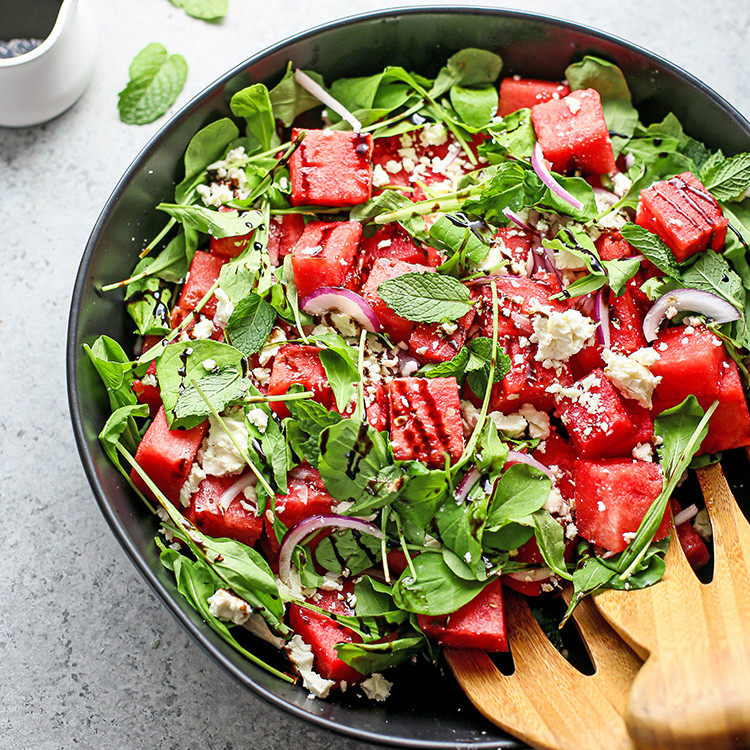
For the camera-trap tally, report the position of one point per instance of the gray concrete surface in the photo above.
(88, 657)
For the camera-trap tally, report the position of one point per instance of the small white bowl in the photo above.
(41, 84)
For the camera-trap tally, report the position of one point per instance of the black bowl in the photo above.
(424, 711)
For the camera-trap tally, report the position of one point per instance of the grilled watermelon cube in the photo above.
(283, 234)
(324, 255)
(295, 363)
(331, 168)
(600, 422)
(167, 456)
(426, 420)
(612, 496)
(625, 324)
(573, 133)
(322, 634)
(377, 407)
(233, 521)
(480, 624)
(392, 242)
(398, 328)
(204, 271)
(689, 362)
(306, 497)
(684, 214)
(524, 93)
(439, 342)
(730, 423)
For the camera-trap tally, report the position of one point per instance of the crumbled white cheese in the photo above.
(209, 365)
(567, 261)
(276, 339)
(469, 417)
(555, 502)
(538, 421)
(560, 335)
(643, 452)
(344, 325)
(631, 374)
(228, 607)
(513, 425)
(224, 308)
(621, 183)
(194, 478)
(258, 418)
(434, 134)
(294, 588)
(573, 104)
(203, 329)
(380, 177)
(376, 687)
(215, 194)
(218, 454)
(150, 380)
(301, 655)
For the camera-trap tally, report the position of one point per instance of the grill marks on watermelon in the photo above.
(167, 456)
(430, 342)
(684, 214)
(524, 93)
(479, 624)
(331, 168)
(324, 255)
(425, 420)
(283, 233)
(573, 133)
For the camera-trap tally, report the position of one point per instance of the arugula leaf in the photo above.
(156, 80)
(475, 106)
(250, 324)
(385, 202)
(513, 137)
(652, 247)
(550, 538)
(508, 537)
(372, 98)
(426, 297)
(619, 272)
(461, 239)
(340, 363)
(147, 302)
(728, 179)
(208, 145)
(521, 491)
(121, 427)
(254, 105)
(468, 67)
(377, 657)
(206, 10)
(308, 420)
(216, 223)
(115, 370)
(421, 494)
(289, 99)
(712, 273)
(181, 363)
(492, 452)
(510, 185)
(436, 590)
(348, 549)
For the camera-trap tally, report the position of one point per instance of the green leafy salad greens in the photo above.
(458, 525)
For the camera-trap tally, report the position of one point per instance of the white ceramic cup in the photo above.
(41, 84)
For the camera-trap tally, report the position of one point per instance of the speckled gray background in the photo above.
(88, 657)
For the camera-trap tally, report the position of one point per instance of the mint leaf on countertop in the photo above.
(426, 297)
(156, 79)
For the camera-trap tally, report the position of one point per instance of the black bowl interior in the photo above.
(424, 711)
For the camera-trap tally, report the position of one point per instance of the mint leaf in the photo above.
(156, 80)
(216, 223)
(480, 360)
(250, 324)
(652, 247)
(619, 272)
(206, 10)
(221, 387)
(454, 367)
(728, 179)
(712, 273)
(426, 297)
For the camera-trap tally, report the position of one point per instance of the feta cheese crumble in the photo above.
(226, 606)
(560, 335)
(218, 454)
(301, 655)
(376, 687)
(631, 374)
(194, 478)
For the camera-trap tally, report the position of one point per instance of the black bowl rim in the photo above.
(73, 345)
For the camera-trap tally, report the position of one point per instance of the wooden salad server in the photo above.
(693, 692)
(546, 702)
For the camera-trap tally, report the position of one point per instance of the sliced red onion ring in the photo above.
(605, 196)
(516, 219)
(309, 525)
(350, 303)
(234, 489)
(322, 95)
(601, 316)
(550, 265)
(537, 161)
(685, 515)
(467, 483)
(693, 300)
(514, 457)
(522, 323)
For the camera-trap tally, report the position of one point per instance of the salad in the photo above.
(405, 343)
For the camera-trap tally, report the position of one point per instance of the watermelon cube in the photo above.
(692, 545)
(519, 93)
(439, 342)
(324, 255)
(612, 496)
(426, 420)
(573, 133)
(514, 243)
(392, 242)
(684, 214)
(146, 392)
(295, 363)
(559, 455)
(167, 456)
(730, 423)
(689, 362)
(229, 247)
(480, 624)
(398, 328)
(600, 422)
(204, 271)
(306, 497)
(322, 634)
(283, 234)
(625, 324)
(331, 168)
(613, 246)
(233, 521)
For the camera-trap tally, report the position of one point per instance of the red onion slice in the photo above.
(518, 221)
(309, 525)
(688, 300)
(601, 316)
(328, 298)
(466, 485)
(537, 161)
(322, 95)
(685, 515)
(514, 457)
(234, 489)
